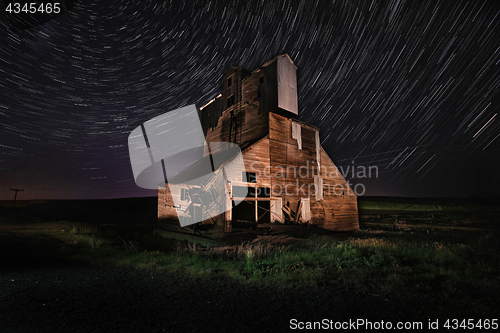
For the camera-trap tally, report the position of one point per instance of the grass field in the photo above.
(446, 249)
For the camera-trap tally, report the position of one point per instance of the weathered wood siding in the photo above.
(340, 202)
(287, 85)
(256, 158)
(240, 123)
(335, 211)
(166, 208)
(299, 165)
(259, 122)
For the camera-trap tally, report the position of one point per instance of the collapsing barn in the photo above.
(288, 177)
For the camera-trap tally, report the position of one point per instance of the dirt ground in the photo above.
(57, 297)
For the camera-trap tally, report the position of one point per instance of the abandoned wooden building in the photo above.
(288, 177)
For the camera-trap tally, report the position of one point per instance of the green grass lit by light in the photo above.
(454, 258)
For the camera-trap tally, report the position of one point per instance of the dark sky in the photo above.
(411, 87)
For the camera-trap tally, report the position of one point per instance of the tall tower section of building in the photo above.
(240, 114)
(288, 177)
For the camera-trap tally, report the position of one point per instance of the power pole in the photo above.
(15, 196)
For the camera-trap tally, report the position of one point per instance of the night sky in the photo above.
(412, 87)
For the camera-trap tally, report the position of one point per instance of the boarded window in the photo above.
(263, 192)
(305, 211)
(184, 194)
(230, 101)
(276, 213)
(249, 177)
(251, 192)
(241, 192)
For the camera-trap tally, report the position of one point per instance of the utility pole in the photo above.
(15, 196)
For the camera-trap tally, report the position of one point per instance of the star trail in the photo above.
(412, 87)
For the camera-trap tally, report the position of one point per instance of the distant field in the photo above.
(391, 204)
(144, 210)
(121, 211)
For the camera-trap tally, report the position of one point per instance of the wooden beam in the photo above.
(299, 206)
(229, 216)
(252, 199)
(256, 211)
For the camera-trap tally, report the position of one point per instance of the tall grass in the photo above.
(371, 265)
(445, 262)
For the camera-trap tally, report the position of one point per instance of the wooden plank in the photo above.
(276, 210)
(299, 211)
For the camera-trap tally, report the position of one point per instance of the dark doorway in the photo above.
(197, 212)
(263, 211)
(244, 214)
